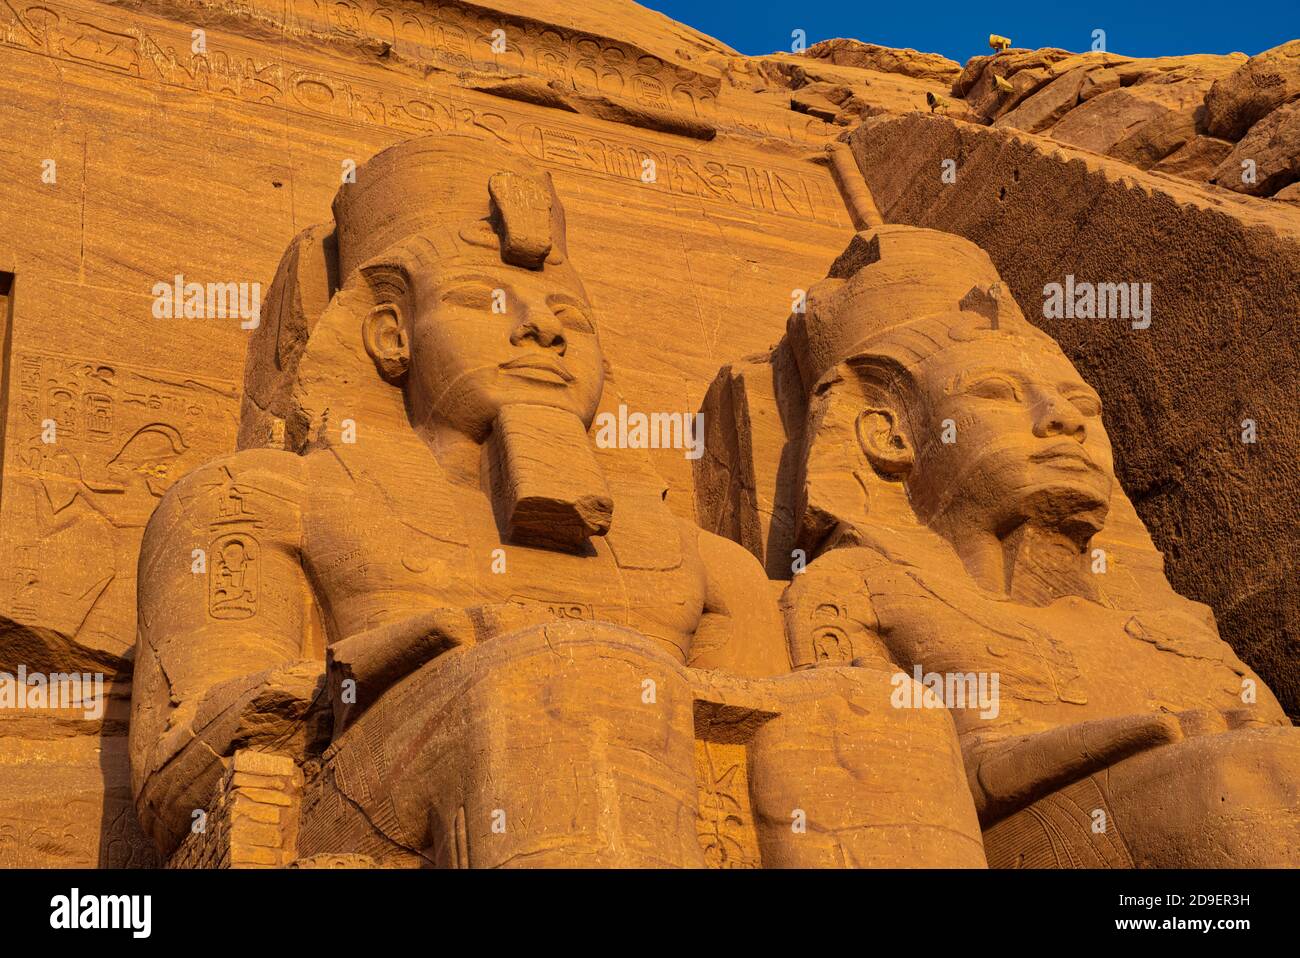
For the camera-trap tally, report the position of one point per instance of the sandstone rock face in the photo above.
(1111, 118)
(1196, 160)
(1240, 100)
(846, 90)
(870, 56)
(1288, 194)
(1267, 158)
(238, 506)
(1142, 111)
(1043, 108)
(1162, 137)
(1176, 115)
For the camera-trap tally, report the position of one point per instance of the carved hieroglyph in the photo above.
(954, 490)
(486, 637)
(97, 444)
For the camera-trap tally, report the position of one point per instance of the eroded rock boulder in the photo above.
(1267, 158)
(871, 56)
(1262, 84)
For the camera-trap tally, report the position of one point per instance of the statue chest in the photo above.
(370, 564)
(1069, 661)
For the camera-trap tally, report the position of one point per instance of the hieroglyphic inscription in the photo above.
(460, 36)
(231, 68)
(103, 424)
(725, 820)
(92, 446)
(234, 567)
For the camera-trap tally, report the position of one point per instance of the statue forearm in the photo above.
(1016, 772)
(1013, 773)
(281, 710)
(362, 667)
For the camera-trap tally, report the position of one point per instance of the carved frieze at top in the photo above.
(463, 37)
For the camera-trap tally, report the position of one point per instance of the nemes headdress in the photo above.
(454, 192)
(914, 287)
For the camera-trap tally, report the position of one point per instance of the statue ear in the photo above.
(384, 334)
(882, 441)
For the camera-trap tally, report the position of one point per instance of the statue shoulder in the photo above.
(264, 489)
(858, 562)
(829, 612)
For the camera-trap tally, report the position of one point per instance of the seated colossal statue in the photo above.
(485, 640)
(947, 476)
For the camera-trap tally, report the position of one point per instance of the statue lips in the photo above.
(545, 369)
(1066, 455)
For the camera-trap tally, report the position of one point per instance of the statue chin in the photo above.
(1074, 510)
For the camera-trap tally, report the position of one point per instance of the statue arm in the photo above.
(828, 614)
(1008, 774)
(219, 655)
(740, 630)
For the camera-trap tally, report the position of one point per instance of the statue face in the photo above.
(486, 334)
(1028, 441)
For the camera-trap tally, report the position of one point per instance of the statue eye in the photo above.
(1086, 405)
(573, 318)
(994, 387)
(470, 295)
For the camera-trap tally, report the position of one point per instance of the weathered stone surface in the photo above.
(1097, 82)
(1105, 121)
(1288, 194)
(1104, 71)
(871, 56)
(821, 99)
(878, 89)
(372, 492)
(1258, 87)
(1267, 158)
(1196, 160)
(1045, 107)
(1137, 110)
(65, 801)
(1158, 138)
(977, 75)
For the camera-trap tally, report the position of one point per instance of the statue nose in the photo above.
(1059, 417)
(541, 327)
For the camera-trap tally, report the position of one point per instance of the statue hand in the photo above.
(277, 709)
(828, 615)
(362, 667)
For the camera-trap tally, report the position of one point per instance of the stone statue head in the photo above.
(947, 391)
(986, 427)
(476, 305)
(439, 313)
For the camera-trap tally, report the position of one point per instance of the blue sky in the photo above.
(960, 30)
